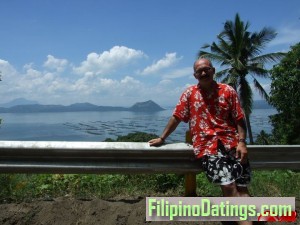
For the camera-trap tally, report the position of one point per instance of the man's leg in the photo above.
(231, 190)
(243, 191)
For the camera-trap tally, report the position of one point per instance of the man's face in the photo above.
(203, 71)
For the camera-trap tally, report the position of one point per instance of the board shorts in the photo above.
(224, 168)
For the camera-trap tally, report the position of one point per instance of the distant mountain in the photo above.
(148, 106)
(261, 104)
(18, 101)
(81, 107)
(33, 108)
(22, 105)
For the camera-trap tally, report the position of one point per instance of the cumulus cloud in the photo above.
(91, 85)
(54, 83)
(108, 61)
(127, 85)
(7, 71)
(169, 60)
(36, 82)
(55, 64)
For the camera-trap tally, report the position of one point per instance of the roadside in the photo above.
(68, 211)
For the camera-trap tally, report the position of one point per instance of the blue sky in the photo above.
(119, 52)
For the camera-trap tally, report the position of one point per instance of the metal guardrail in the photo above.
(274, 156)
(127, 157)
(95, 157)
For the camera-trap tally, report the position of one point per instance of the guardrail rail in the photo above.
(128, 158)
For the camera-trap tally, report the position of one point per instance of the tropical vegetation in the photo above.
(285, 97)
(238, 51)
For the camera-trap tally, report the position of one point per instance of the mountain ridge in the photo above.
(22, 105)
(143, 106)
(18, 101)
(147, 106)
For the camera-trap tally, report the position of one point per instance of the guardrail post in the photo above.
(190, 178)
(190, 185)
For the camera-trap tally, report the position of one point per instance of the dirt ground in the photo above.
(68, 211)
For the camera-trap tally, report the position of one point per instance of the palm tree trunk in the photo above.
(249, 129)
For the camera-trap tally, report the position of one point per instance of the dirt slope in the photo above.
(67, 211)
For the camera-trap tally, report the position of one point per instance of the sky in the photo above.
(119, 52)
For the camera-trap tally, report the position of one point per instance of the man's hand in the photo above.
(171, 126)
(156, 142)
(242, 152)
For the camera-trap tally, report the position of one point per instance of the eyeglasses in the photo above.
(200, 71)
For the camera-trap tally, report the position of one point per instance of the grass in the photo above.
(276, 183)
(26, 187)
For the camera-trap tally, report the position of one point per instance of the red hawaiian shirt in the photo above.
(211, 117)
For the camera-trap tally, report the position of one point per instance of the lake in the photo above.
(97, 126)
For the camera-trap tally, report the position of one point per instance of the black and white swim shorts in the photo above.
(224, 168)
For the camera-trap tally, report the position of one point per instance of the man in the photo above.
(217, 128)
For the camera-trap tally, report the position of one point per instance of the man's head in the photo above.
(204, 71)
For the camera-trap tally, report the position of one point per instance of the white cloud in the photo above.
(169, 60)
(37, 85)
(53, 84)
(165, 82)
(11, 80)
(111, 88)
(182, 72)
(55, 64)
(116, 88)
(33, 74)
(130, 81)
(287, 35)
(108, 61)
(35, 81)
(7, 70)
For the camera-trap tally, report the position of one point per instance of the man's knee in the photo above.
(230, 190)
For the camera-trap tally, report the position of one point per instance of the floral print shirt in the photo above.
(211, 117)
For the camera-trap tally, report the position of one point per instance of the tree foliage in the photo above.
(285, 97)
(239, 51)
(133, 137)
(264, 138)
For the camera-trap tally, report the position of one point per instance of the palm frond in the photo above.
(239, 66)
(260, 39)
(270, 57)
(261, 90)
(221, 73)
(232, 80)
(263, 37)
(205, 46)
(227, 33)
(211, 56)
(219, 51)
(256, 70)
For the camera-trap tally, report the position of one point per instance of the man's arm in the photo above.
(171, 126)
(241, 150)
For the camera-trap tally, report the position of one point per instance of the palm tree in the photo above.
(239, 52)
